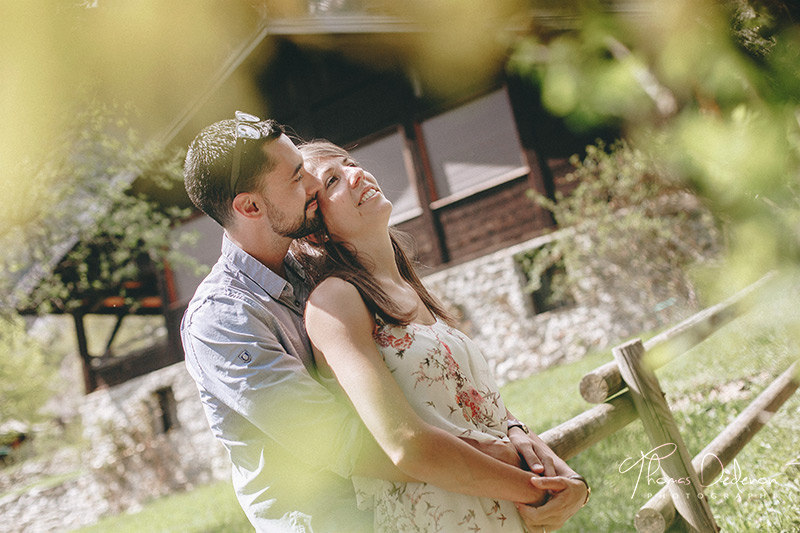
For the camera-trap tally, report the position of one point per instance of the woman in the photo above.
(416, 382)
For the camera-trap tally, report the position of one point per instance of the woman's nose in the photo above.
(356, 176)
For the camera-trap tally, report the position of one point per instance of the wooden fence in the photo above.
(627, 388)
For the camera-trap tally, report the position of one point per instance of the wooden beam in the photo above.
(113, 335)
(89, 379)
(328, 24)
(605, 381)
(426, 189)
(590, 427)
(601, 383)
(672, 456)
(540, 177)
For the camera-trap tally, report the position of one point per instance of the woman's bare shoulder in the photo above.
(337, 299)
(331, 290)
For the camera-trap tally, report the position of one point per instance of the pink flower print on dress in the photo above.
(470, 401)
(451, 367)
(385, 339)
(402, 343)
(382, 337)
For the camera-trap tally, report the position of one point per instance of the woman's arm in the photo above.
(340, 327)
(535, 453)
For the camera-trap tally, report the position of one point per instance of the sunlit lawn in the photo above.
(206, 509)
(706, 387)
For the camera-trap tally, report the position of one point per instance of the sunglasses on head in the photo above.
(249, 127)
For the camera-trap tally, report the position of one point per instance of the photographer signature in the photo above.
(653, 474)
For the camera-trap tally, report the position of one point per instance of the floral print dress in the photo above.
(448, 383)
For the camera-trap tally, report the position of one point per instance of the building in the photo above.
(456, 146)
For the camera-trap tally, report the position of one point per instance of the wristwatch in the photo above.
(512, 423)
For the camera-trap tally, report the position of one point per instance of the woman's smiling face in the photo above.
(350, 199)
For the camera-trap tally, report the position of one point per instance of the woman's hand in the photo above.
(567, 495)
(535, 454)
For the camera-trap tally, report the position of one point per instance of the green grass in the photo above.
(706, 387)
(206, 509)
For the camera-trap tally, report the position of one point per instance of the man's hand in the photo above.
(499, 449)
(536, 455)
(566, 498)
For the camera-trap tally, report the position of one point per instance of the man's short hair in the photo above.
(207, 169)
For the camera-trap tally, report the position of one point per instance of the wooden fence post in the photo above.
(660, 426)
(657, 514)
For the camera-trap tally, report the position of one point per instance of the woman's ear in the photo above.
(246, 205)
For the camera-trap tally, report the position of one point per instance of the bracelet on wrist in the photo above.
(582, 479)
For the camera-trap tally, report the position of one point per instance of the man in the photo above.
(292, 443)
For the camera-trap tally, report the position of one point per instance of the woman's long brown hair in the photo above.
(324, 258)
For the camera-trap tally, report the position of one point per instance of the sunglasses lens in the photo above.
(241, 116)
(247, 131)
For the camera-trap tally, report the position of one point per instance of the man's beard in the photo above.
(298, 229)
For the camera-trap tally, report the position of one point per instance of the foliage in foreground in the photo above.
(26, 374)
(707, 89)
(89, 234)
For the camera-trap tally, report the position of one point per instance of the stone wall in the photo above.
(495, 311)
(132, 457)
(33, 505)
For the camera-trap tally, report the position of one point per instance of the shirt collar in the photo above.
(272, 283)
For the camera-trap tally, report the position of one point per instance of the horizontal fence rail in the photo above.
(605, 381)
(623, 396)
(590, 427)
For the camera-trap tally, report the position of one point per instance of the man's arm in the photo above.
(234, 355)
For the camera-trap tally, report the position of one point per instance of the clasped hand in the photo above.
(529, 452)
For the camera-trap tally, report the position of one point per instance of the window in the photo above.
(386, 159)
(549, 296)
(544, 276)
(166, 414)
(474, 147)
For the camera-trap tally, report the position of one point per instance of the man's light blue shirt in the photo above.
(293, 445)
